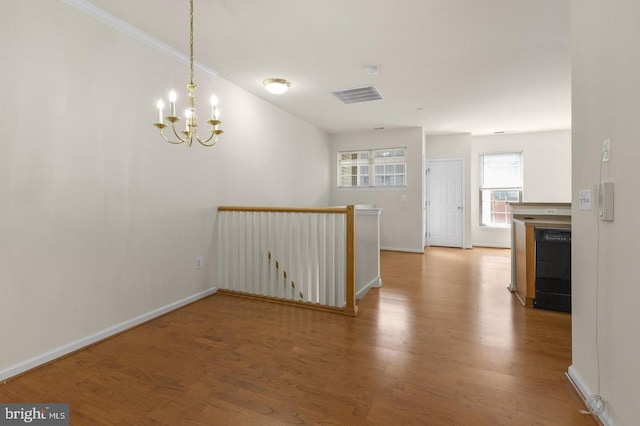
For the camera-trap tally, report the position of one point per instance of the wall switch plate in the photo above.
(584, 200)
(606, 150)
(199, 262)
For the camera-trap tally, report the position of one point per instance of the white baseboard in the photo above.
(376, 282)
(584, 390)
(492, 245)
(61, 351)
(403, 249)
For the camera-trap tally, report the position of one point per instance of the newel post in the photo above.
(351, 308)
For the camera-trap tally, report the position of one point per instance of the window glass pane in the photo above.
(389, 168)
(345, 181)
(513, 196)
(353, 168)
(500, 184)
(494, 206)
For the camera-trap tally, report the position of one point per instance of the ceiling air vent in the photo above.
(358, 94)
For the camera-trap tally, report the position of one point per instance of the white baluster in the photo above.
(319, 295)
(272, 249)
(235, 256)
(241, 281)
(295, 264)
(331, 264)
(255, 252)
(313, 284)
(288, 256)
(340, 293)
(220, 255)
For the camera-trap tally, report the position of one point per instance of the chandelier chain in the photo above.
(191, 42)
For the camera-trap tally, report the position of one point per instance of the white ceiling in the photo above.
(473, 66)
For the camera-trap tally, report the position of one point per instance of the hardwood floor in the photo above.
(442, 343)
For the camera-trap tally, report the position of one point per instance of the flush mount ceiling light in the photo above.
(191, 120)
(276, 86)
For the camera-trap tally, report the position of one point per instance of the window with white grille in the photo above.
(372, 168)
(500, 183)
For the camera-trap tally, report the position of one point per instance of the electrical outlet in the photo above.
(606, 150)
(199, 262)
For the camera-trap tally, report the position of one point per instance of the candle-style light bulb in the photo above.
(160, 106)
(216, 113)
(187, 115)
(214, 103)
(172, 103)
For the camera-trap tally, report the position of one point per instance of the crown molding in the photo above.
(135, 33)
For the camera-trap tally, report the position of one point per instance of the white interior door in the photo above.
(444, 203)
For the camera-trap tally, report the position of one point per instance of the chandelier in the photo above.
(191, 119)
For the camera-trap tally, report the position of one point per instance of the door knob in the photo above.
(459, 208)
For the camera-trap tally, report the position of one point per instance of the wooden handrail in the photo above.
(336, 210)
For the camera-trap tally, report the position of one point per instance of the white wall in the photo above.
(101, 220)
(401, 220)
(606, 89)
(455, 146)
(546, 160)
(547, 172)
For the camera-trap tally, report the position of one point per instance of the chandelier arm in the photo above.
(173, 126)
(169, 140)
(204, 142)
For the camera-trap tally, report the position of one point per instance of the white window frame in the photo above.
(382, 171)
(514, 185)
